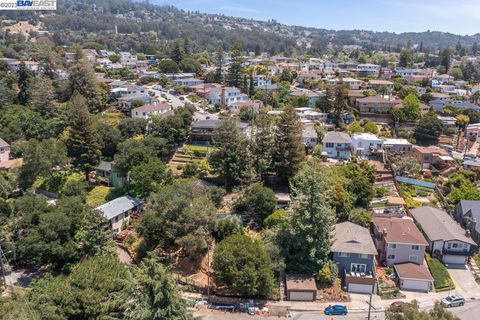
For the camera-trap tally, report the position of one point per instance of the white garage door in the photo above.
(453, 259)
(301, 296)
(415, 285)
(360, 288)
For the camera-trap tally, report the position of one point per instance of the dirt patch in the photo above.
(332, 293)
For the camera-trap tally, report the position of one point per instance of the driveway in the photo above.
(465, 283)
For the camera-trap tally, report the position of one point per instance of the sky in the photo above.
(455, 16)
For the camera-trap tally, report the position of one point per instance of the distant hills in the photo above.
(97, 20)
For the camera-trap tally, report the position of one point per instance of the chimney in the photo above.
(222, 95)
(467, 233)
(384, 231)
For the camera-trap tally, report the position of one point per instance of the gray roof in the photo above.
(350, 237)
(118, 206)
(105, 166)
(438, 225)
(213, 123)
(337, 137)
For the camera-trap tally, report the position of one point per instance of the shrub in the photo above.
(328, 273)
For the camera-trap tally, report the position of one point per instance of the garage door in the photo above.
(360, 288)
(415, 285)
(301, 296)
(453, 259)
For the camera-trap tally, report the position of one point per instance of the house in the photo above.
(377, 84)
(337, 145)
(472, 131)
(413, 277)
(467, 212)
(127, 100)
(309, 135)
(397, 146)
(261, 80)
(106, 172)
(398, 240)
(375, 104)
(301, 288)
(229, 95)
(311, 96)
(254, 105)
(119, 211)
(445, 237)
(4, 151)
(448, 122)
(188, 82)
(310, 114)
(438, 105)
(354, 253)
(152, 109)
(202, 132)
(473, 165)
(431, 156)
(352, 83)
(365, 144)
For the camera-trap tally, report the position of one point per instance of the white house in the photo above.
(337, 145)
(4, 151)
(153, 109)
(119, 210)
(366, 143)
(231, 95)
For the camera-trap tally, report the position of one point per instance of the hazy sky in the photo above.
(456, 16)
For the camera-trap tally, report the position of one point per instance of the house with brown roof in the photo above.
(398, 240)
(376, 84)
(413, 277)
(445, 237)
(375, 105)
(301, 288)
(432, 156)
(354, 253)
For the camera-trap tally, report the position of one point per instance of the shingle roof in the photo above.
(105, 166)
(350, 237)
(118, 206)
(399, 230)
(300, 282)
(337, 137)
(411, 270)
(438, 225)
(150, 107)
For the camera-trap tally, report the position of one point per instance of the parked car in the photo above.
(453, 301)
(157, 87)
(336, 310)
(181, 98)
(398, 305)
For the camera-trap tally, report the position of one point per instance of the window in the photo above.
(391, 256)
(415, 247)
(392, 246)
(455, 245)
(329, 145)
(358, 267)
(344, 254)
(364, 256)
(413, 258)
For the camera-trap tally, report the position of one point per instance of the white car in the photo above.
(453, 301)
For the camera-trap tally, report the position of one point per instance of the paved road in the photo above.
(470, 311)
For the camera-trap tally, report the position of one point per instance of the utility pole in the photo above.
(369, 306)
(208, 274)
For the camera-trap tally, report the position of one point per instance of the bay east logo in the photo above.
(28, 4)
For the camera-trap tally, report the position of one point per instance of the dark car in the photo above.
(336, 310)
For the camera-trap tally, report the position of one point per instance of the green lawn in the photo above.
(102, 194)
(441, 277)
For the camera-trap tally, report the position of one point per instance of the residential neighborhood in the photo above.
(161, 163)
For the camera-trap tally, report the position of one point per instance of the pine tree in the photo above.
(235, 69)
(231, 159)
(339, 103)
(42, 97)
(475, 48)
(47, 65)
(83, 141)
(82, 81)
(23, 82)
(186, 46)
(177, 53)
(289, 151)
(94, 237)
(218, 78)
(251, 88)
(312, 220)
(261, 145)
(245, 84)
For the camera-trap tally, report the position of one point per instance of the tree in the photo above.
(360, 216)
(42, 97)
(93, 236)
(289, 152)
(219, 60)
(406, 58)
(132, 127)
(168, 66)
(277, 218)
(312, 220)
(328, 273)
(227, 227)
(411, 107)
(132, 153)
(82, 81)
(462, 120)
(177, 53)
(428, 129)
(39, 158)
(230, 159)
(257, 203)
(109, 138)
(243, 265)
(339, 105)
(235, 68)
(406, 166)
(147, 177)
(412, 312)
(159, 296)
(83, 141)
(177, 218)
(261, 144)
(23, 82)
(446, 58)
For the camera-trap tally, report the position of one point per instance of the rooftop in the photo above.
(300, 282)
(3, 143)
(350, 237)
(118, 206)
(337, 137)
(411, 270)
(399, 230)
